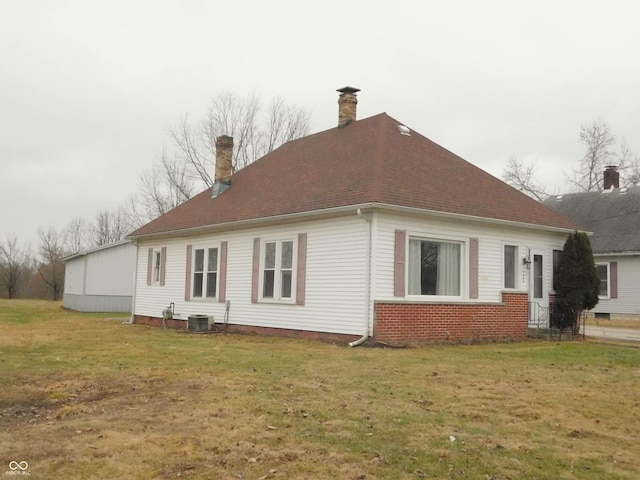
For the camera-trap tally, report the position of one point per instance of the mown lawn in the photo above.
(84, 396)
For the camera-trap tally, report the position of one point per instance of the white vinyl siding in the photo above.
(628, 287)
(333, 303)
(491, 240)
(336, 290)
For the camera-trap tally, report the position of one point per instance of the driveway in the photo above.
(628, 334)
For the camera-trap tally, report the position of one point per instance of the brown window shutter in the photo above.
(255, 271)
(301, 274)
(400, 255)
(613, 279)
(150, 267)
(163, 264)
(187, 280)
(222, 281)
(473, 268)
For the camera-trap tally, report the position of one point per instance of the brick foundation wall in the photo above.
(410, 323)
(248, 329)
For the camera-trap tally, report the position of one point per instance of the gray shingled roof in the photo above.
(613, 216)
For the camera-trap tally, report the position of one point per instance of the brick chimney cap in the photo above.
(348, 90)
(224, 140)
(611, 167)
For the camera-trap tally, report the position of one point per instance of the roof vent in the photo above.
(404, 130)
(559, 197)
(623, 190)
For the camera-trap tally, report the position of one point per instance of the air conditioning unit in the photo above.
(198, 323)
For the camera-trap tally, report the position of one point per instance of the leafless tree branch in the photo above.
(522, 177)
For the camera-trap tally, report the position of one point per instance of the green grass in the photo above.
(86, 396)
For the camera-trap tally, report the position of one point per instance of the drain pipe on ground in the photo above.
(365, 335)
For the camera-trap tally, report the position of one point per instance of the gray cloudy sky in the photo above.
(88, 88)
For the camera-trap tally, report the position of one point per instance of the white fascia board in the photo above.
(338, 211)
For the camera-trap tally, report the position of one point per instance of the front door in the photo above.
(538, 295)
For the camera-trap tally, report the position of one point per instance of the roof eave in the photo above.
(339, 211)
(493, 221)
(96, 249)
(629, 253)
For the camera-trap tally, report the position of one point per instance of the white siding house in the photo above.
(100, 279)
(613, 217)
(367, 230)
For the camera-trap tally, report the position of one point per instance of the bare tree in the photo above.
(14, 265)
(76, 235)
(285, 123)
(164, 187)
(237, 117)
(522, 177)
(628, 164)
(50, 266)
(632, 175)
(190, 166)
(598, 141)
(110, 227)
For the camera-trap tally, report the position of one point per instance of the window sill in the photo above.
(453, 301)
(268, 301)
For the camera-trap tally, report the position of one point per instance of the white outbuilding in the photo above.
(100, 279)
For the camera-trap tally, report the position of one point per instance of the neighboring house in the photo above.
(100, 279)
(365, 230)
(613, 215)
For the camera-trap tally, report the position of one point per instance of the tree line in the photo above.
(183, 169)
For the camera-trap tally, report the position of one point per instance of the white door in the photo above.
(538, 295)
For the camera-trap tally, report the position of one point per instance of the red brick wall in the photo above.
(406, 323)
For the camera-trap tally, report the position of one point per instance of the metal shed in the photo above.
(100, 279)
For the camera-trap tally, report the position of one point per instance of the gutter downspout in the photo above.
(135, 283)
(365, 335)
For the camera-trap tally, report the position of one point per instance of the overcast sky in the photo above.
(88, 88)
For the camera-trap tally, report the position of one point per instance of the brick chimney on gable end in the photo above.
(347, 104)
(224, 164)
(611, 177)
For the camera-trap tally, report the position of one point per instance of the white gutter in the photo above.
(367, 309)
(344, 210)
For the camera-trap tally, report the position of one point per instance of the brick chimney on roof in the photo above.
(224, 165)
(611, 177)
(347, 104)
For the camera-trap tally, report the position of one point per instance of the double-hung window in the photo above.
(435, 267)
(510, 266)
(156, 268)
(603, 273)
(277, 270)
(157, 265)
(205, 272)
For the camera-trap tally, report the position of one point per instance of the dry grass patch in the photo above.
(90, 398)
